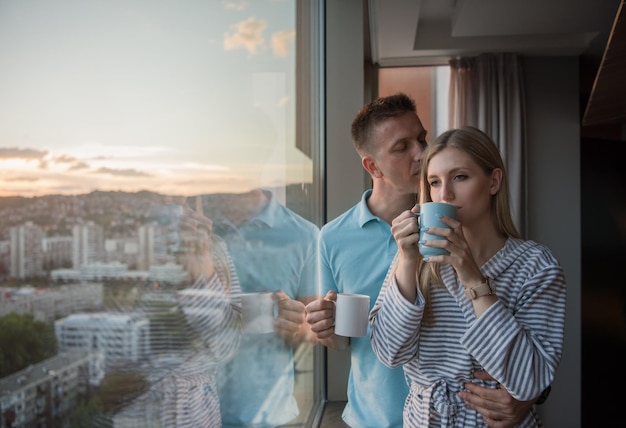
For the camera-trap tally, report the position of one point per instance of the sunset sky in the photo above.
(186, 97)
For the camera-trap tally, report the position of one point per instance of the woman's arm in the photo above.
(520, 345)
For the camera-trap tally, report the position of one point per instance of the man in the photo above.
(356, 250)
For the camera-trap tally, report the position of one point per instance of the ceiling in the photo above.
(430, 32)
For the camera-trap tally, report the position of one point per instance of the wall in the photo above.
(603, 295)
(344, 97)
(345, 175)
(553, 209)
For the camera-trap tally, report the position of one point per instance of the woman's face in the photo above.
(456, 179)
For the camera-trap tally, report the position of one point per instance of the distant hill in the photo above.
(115, 210)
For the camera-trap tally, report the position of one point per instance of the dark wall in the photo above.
(603, 219)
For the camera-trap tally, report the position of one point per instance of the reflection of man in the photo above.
(273, 249)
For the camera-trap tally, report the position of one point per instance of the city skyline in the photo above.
(145, 95)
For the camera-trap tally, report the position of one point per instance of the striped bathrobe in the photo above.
(518, 340)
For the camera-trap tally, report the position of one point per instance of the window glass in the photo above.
(159, 206)
(427, 85)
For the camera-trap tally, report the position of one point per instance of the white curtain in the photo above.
(487, 92)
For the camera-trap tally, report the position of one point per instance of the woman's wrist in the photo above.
(484, 288)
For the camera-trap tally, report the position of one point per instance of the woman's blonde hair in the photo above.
(219, 254)
(484, 152)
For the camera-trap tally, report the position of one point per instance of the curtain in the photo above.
(487, 91)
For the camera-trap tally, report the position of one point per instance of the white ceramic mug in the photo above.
(258, 311)
(351, 314)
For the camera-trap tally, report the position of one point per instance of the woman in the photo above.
(495, 303)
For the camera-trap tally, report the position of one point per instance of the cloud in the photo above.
(42, 157)
(247, 34)
(238, 6)
(77, 166)
(22, 178)
(74, 164)
(280, 42)
(64, 159)
(121, 172)
(27, 154)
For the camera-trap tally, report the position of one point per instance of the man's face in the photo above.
(400, 143)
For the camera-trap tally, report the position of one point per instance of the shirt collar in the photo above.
(268, 215)
(363, 213)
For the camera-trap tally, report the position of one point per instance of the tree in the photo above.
(31, 342)
(118, 389)
(91, 414)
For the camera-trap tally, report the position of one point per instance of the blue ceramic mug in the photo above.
(429, 217)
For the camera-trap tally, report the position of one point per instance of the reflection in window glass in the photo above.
(157, 218)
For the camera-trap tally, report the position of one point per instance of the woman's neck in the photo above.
(484, 243)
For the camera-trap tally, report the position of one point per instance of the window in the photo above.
(428, 86)
(119, 121)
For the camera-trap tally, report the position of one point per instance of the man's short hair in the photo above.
(375, 112)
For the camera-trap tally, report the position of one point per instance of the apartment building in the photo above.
(45, 394)
(51, 303)
(122, 338)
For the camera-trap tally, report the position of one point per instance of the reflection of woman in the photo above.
(186, 396)
(496, 302)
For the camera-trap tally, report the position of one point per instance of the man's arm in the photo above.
(291, 322)
(498, 408)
